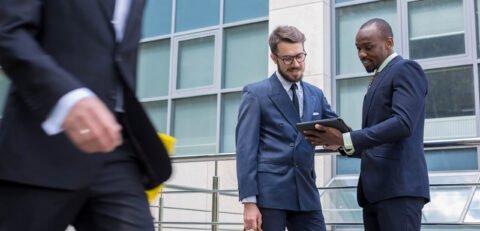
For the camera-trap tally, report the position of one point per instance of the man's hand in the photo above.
(92, 127)
(252, 219)
(327, 136)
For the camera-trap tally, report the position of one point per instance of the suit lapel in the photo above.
(107, 6)
(371, 92)
(282, 102)
(134, 18)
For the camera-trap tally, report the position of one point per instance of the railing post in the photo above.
(215, 204)
(160, 212)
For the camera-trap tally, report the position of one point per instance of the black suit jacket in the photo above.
(49, 48)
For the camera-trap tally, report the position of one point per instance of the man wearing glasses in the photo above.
(275, 164)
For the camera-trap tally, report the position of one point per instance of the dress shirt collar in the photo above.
(386, 61)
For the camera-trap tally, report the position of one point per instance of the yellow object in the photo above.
(169, 143)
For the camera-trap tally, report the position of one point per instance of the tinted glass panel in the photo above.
(236, 10)
(153, 69)
(436, 28)
(193, 14)
(245, 54)
(157, 18)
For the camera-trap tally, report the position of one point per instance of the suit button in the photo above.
(112, 95)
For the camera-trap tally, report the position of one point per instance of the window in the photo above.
(195, 125)
(348, 21)
(157, 111)
(195, 65)
(436, 28)
(157, 18)
(153, 69)
(236, 10)
(230, 103)
(450, 93)
(194, 14)
(195, 58)
(350, 93)
(450, 103)
(245, 54)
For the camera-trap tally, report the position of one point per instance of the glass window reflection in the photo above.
(436, 28)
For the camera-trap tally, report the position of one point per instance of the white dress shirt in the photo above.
(53, 124)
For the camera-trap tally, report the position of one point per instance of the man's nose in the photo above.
(362, 54)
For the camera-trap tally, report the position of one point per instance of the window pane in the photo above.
(350, 93)
(446, 205)
(157, 19)
(195, 62)
(153, 69)
(473, 214)
(246, 54)
(349, 19)
(452, 160)
(230, 103)
(436, 28)
(4, 85)
(194, 125)
(192, 14)
(450, 104)
(236, 10)
(477, 5)
(157, 111)
(450, 92)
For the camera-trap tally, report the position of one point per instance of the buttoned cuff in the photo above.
(347, 144)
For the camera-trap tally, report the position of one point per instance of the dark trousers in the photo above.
(277, 220)
(114, 201)
(396, 214)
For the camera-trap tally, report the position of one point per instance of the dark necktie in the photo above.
(296, 105)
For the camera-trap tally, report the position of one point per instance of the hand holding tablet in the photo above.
(337, 123)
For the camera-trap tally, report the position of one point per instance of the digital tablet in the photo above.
(331, 122)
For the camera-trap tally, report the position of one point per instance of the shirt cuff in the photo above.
(53, 124)
(347, 144)
(250, 199)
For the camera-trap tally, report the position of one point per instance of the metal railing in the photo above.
(216, 192)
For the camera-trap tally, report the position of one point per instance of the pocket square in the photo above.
(315, 113)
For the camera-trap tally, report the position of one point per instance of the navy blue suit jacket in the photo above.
(390, 144)
(274, 161)
(49, 48)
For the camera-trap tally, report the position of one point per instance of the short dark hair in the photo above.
(382, 25)
(288, 34)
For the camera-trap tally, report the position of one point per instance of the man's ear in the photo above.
(274, 58)
(389, 43)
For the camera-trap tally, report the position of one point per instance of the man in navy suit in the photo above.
(76, 146)
(393, 185)
(275, 164)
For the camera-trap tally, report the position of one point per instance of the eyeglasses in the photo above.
(287, 59)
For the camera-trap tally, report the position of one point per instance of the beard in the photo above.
(287, 76)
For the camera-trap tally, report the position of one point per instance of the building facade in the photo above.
(196, 55)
